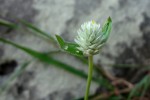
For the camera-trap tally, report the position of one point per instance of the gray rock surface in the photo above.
(45, 82)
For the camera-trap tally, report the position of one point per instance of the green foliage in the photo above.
(72, 47)
(115, 98)
(49, 60)
(37, 30)
(7, 24)
(69, 47)
(106, 29)
(140, 88)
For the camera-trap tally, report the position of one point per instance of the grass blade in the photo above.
(145, 82)
(8, 24)
(49, 60)
(37, 30)
(29, 25)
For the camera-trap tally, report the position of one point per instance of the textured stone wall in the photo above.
(128, 42)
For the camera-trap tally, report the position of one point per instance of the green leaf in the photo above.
(39, 31)
(113, 97)
(106, 29)
(72, 48)
(143, 84)
(69, 47)
(60, 41)
(49, 60)
(29, 25)
(7, 24)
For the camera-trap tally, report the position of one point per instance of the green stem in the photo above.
(90, 70)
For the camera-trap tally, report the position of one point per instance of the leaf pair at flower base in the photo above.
(69, 47)
(73, 47)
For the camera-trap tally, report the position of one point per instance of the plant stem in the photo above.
(90, 70)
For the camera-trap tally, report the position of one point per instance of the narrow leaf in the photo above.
(49, 60)
(106, 29)
(7, 24)
(39, 31)
(145, 82)
(60, 41)
(69, 47)
(72, 49)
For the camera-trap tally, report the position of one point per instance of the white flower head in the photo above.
(90, 38)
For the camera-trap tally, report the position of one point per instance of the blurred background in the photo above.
(24, 76)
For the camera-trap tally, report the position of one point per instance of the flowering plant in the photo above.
(89, 41)
(91, 38)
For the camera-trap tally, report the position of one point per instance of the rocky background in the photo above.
(129, 43)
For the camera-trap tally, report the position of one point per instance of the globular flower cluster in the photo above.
(90, 38)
